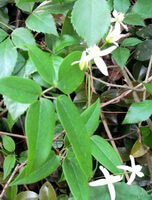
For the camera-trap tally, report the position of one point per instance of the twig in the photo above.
(111, 138)
(17, 168)
(124, 136)
(12, 135)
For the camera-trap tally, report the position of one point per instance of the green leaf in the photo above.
(64, 41)
(121, 5)
(8, 165)
(41, 22)
(3, 3)
(3, 35)
(8, 143)
(70, 76)
(8, 58)
(134, 19)
(21, 36)
(144, 50)
(39, 126)
(15, 109)
(128, 42)
(147, 135)
(148, 86)
(24, 1)
(25, 5)
(40, 173)
(11, 192)
(143, 8)
(138, 112)
(121, 56)
(20, 89)
(43, 63)
(28, 195)
(91, 19)
(47, 192)
(105, 154)
(76, 132)
(91, 117)
(75, 178)
(145, 32)
(122, 191)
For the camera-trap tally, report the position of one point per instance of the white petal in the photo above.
(112, 191)
(132, 161)
(75, 62)
(115, 13)
(119, 36)
(124, 167)
(124, 26)
(140, 174)
(112, 20)
(131, 179)
(116, 179)
(107, 51)
(99, 182)
(101, 65)
(117, 29)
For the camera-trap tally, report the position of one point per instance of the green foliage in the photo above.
(130, 42)
(9, 163)
(144, 50)
(121, 56)
(121, 5)
(134, 19)
(144, 8)
(47, 192)
(8, 143)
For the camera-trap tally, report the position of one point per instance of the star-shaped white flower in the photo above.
(118, 19)
(134, 169)
(114, 35)
(94, 53)
(109, 180)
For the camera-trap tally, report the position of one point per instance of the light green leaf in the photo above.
(43, 63)
(76, 132)
(91, 117)
(121, 56)
(41, 22)
(64, 41)
(148, 87)
(143, 8)
(138, 112)
(128, 42)
(20, 89)
(105, 154)
(39, 126)
(15, 109)
(70, 76)
(25, 6)
(134, 19)
(8, 58)
(47, 192)
(75, 178)
(91, 19)
(40, 173)
(8, 143)
(21, 36)
(28, 195)
(121, 5)
(3, 35)
(8, 165)
(24, 1)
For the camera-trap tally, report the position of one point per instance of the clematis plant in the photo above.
(94, 53)
(118, 19)
(109, 180)
(134, 169)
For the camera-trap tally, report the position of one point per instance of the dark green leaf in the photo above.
(105, 154)
(134, 19)
(138, 112)
(20, 89)
(70, 76)
(76, 132)
(130, 42)
(121, 56)
(144, 50)
(28, 195)
(39, 126)
(11, 192)
(91, 19)
(47, 192)
(147, 135)
(145, 32)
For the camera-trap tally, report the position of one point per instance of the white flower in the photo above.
(118, 18)
(109, 180)
(114, 35)
(94, 53)
(134, 169)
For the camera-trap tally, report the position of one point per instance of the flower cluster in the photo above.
(110, 179)
(94, 52)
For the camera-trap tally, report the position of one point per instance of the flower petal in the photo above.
(124, 26)
(112, 20)
(140, 174)
(99, 182)
(101, 65)
(131, 179)
(107, 51)
(132, 161)
(115, 13)
(125, 167)
(112, 191)
(117, 178)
